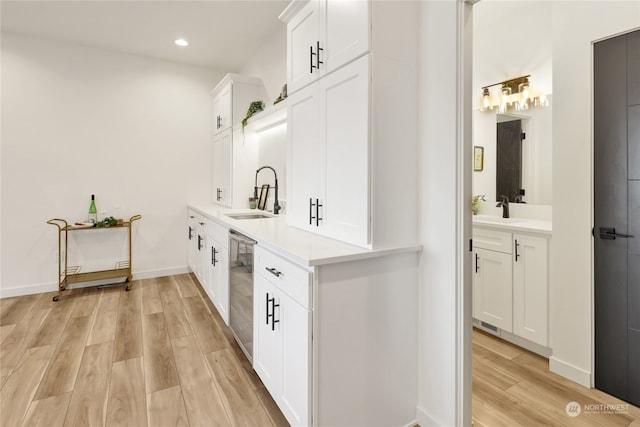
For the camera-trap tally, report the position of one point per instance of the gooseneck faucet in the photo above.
(276, 205)
(505, 206)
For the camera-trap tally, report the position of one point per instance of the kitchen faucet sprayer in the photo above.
(276, 205)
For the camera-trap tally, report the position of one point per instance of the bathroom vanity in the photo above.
(511, 279)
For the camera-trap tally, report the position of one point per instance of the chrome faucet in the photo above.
(276, 205)
(505, 206)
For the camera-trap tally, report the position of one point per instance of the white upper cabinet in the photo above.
(322, 36)
(221, 159)
(328, 140)
(222, 109)
(234, 159)
(352, 141)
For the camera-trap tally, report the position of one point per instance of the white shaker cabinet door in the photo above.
(266, 353)
(304, 133)
(492, 289)
(218, 266)
(345, 182)
(222, 109)
(346, 32)
(530, 288)
(222, 168)
(302, 44)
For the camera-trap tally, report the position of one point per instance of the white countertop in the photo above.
(299, 246)
(513, 224)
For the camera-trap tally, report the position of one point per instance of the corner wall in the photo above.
(77, 121)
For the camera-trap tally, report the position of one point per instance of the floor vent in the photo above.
(488, 326)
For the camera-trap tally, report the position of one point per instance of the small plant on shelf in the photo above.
(254, 107)
(475, 201)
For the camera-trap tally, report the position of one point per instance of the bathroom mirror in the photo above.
(513, 163)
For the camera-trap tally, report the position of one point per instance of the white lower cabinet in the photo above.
(218, 271)
(530, 290)
(282, 337)
(207, 257)
(511, 282)
(492, 289)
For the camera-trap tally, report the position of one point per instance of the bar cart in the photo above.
(72, 274)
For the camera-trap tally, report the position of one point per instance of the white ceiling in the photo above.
(222, 34)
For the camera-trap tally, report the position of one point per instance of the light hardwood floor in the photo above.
(514, 387)
(158, 356)
(161, 356)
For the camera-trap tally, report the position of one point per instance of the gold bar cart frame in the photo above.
(72, 274)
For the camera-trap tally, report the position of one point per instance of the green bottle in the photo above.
(93, 212)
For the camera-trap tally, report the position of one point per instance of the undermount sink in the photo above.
(248, 216)
(497, 219)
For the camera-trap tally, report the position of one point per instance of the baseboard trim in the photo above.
(52, 287)
(570, 371)
(424, 419)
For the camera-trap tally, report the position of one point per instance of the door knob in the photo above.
(609, 233)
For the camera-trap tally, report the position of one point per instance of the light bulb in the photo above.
(181, 42)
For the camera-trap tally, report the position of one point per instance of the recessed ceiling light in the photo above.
(181, 42)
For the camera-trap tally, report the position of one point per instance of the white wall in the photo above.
(441, 273)
(502, 52)
(575, 27)
(270, 64)
(78, 121)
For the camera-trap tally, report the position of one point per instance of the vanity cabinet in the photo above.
(351, 136)
(492, 279)
(217, 268)
(530, 288)
(322, 36)
(282, 334)
(328, 143)
(234, 160)
(511, 282)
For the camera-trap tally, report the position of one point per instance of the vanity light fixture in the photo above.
(513, 94)
(181, 42)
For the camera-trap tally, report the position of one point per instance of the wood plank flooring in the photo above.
(514, 387)
(159, 355)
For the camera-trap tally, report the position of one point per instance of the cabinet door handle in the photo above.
(199, 242)
(190, 233)
(218, 194)
(318, 206)
(311, 217)
(214, 260)
(191, 216)
(311, 54)
(477, 266)
(273, 271)
(267, 307)
(318, 50)
(273, 314)
(517, 246)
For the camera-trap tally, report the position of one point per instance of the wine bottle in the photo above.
(93, 212)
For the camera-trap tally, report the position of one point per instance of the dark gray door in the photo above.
(509, 159)
(617, 216)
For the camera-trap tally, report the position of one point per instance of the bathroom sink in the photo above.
(497, 219)
(248, 216)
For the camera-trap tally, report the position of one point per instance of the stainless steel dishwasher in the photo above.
(241, 290)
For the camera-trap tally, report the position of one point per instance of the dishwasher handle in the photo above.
(234, 235)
